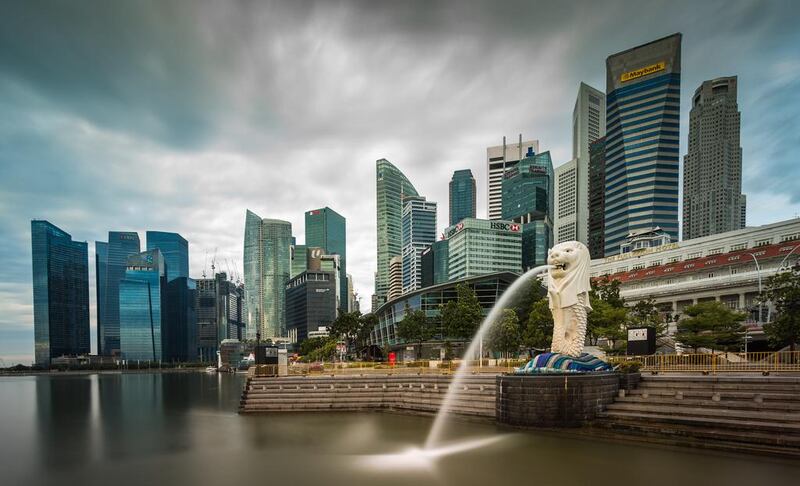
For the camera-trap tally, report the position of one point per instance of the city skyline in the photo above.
(70, 157)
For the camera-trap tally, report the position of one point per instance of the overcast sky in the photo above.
(179, 116)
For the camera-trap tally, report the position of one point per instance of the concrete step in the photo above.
(684, 410)
(722, 378)
(725, 386)
(708, 437)
(740, 425)
(724, 394)
(736, 404)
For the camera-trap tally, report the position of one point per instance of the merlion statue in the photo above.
(568, 293)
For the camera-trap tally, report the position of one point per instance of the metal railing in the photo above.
(405, 367)
(717, 362)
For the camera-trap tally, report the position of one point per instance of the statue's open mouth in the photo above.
(561, 266)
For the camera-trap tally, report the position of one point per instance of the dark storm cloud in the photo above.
(178, 115)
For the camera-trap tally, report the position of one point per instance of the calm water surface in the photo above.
(182, 428)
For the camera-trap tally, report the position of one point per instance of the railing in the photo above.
(717, 362)
(404, 367)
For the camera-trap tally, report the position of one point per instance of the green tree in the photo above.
(783, 290)
(608, 290)
(312, 344)
(415, 327)
(461, 317)
(346, 327)
(367, 323)
(504, 335)
(538, 332)
(609, 317)
(711, 325)
(326, 351)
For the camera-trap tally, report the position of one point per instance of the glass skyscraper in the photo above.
(597, 197)
(142, 295)
(327, 229)
(392, 187)
(175, 250)
(462, 196)
(528, 200)
(110, 265)
(267, 267)
(60, 293)
(642, 137)
(419, 232)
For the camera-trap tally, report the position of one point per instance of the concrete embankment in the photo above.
(420, 394)
(742, 413)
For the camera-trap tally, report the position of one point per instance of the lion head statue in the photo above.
(569, 276)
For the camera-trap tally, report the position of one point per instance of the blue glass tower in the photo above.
(175, 250)
(60, 293)
(528, 200)
(462, 196)
(325, 228)
(141, 299)
(418, 232)
(642, 137)
(111, 262)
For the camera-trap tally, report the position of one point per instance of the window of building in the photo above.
(638, 266)
(791, 237)
(674, 259)
(739, 246)
(655, 263)
(694, 255)
(764, 242)
(715, 251)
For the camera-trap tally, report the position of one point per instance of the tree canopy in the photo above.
(711, 325)
(415, 327)
(538, 332)
(783, 290)
(461, 317)
(504, 335)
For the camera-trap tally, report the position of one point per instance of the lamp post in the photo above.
(758, 271)
(786, 258)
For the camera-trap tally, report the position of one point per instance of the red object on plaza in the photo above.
(392, 358)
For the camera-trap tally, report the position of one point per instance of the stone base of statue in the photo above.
(552, 400)
(562, 363)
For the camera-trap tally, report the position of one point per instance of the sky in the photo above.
(180, 115)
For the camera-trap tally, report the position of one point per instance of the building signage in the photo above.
(638, 73)
(497, 225)
(637, 334)
(454, 229)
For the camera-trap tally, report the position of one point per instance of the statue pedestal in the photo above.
(554, 400)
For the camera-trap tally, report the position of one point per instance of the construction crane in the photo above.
(213, 263)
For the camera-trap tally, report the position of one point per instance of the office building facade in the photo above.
(327, 229)
(463, 196)
(60, 269)
(111, 261)
(597, 197)
(267, 267)
(712, 169)
(180, 331)
(392, 186)
(435, 263)
(479, 246)
(419, 232)
(642, 139)
(500, 159)
(572, 179)
(175, 251)
(528, 200)
(220, 314)
(311, 303)
(395, 278)
(142, 298)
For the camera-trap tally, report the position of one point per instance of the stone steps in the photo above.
(411, 393)
(740, 413)
(713, 412)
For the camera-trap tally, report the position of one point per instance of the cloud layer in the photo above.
(179, 115)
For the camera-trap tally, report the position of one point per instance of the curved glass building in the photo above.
(392, 186)
(267, 268)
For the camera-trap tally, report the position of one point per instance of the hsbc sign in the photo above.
(513, 227)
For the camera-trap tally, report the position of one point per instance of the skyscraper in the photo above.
(175, 250)
(642, 137)
(392, 187)
(499, 159)
(267, 266)
(142, 297)
(712, 169)
(572, 179)
(395, 278)
(597, 197)
(528, 200)
(60, 293)
(109, 271)
(419, 232)
(434, 263)
(462, 196)
(327, 229)
(479, 246)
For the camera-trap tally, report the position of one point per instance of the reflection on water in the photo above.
(182, 428)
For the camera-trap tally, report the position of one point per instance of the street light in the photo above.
(786, 258)
(758, 271)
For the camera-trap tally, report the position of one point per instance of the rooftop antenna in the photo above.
(520, 147)
(205, 264)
